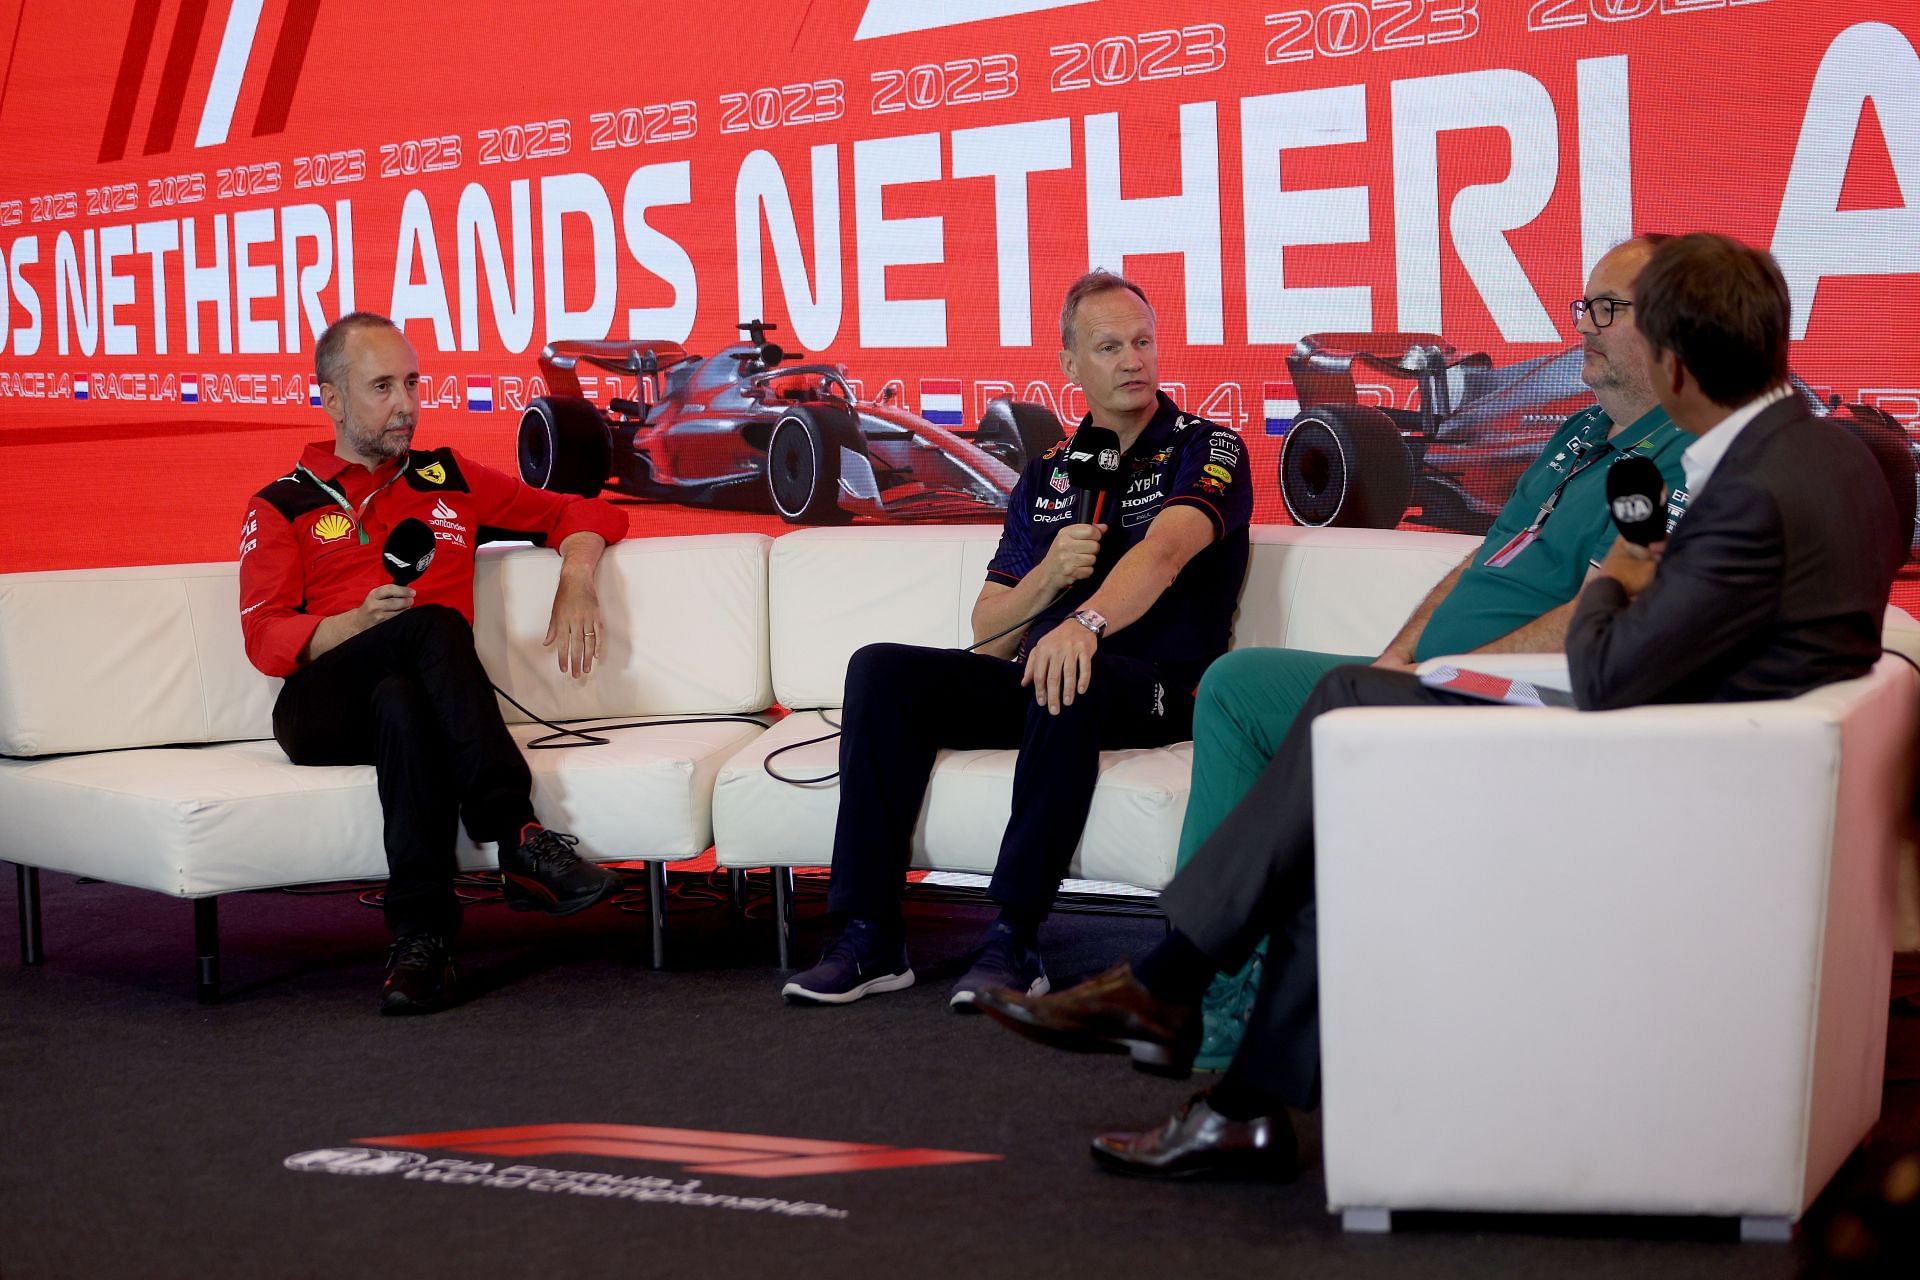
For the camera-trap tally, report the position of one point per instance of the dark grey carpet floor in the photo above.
(144, 1136)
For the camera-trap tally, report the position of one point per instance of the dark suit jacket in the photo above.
(1774, 581)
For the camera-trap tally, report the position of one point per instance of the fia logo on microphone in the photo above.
(1632, 508)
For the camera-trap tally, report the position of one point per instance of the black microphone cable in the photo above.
(775, 754)
(586, 738)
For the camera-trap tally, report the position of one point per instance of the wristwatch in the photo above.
(1090, 620)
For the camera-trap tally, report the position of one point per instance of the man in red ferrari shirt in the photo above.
(386, 674)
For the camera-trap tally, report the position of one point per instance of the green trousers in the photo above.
(1247, 702)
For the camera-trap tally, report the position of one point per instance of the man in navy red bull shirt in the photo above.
(1091, 636)
(384, 674)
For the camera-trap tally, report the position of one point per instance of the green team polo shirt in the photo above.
(1488, 602)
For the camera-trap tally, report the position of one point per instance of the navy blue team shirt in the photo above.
(1178, 460)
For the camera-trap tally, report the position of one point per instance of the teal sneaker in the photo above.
(1223, 1014)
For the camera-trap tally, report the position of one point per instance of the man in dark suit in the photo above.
(1773, 582)
(1778, 583)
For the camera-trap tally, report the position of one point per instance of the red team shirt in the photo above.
(303, 557)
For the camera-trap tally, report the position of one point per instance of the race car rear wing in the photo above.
(558, 360)
(1321, 365)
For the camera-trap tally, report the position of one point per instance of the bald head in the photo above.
(1618, 366)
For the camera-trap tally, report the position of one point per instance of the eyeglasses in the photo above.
(1602, 310)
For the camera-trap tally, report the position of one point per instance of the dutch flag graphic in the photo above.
(189, 391)
(1280, 407)
(79, 388)
(479, 395)
(940, 401)
(313, 393)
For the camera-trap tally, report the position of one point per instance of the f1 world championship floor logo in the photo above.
(745, 1155)
(237, 42)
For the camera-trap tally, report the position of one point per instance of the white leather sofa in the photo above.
(833, 590)
(136, 739)
(1627, 962)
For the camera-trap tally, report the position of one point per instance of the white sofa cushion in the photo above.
(1338, 590)
(1130, 836)
(94, 659)
(834, 590)
(193, 821)
(685, 629)
(831, 591)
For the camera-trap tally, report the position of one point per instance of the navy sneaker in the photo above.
(1005, 963)
(863, 960)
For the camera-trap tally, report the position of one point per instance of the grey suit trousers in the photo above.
(1253, 879)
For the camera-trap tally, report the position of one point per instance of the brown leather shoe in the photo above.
(1112, 1013)
(1197, 1141)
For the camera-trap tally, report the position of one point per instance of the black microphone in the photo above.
(1637, 496)
(1093, 468)
(409, 550)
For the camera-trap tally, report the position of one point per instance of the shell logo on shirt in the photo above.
(332, 527)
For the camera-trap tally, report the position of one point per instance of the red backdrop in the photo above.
(189, 190)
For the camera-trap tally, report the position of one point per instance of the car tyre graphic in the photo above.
(565, 446)
(1890, 447)
(803, 471)
(1017, 432)
(1345, 465)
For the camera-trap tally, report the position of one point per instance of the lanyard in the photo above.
(353, 513)
(1601, 450)
(1522, 540)
(1545, 513)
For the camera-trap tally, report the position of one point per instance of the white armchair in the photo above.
(1632, 961)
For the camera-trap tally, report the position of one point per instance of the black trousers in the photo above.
(1253, 879)
(903, 704)
(410, 697)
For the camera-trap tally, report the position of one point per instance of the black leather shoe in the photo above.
(1197, 1141)
(1112, 1013)
(545, 874)
(420, 976)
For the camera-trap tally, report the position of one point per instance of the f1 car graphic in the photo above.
(1473, 428)
(746, 430)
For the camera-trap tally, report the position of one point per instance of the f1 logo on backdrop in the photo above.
(745, 1155)
(182, 46)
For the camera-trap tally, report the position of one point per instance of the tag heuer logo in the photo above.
(434, 474)
(332, 527)
(441, 510)
(1059, 482)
